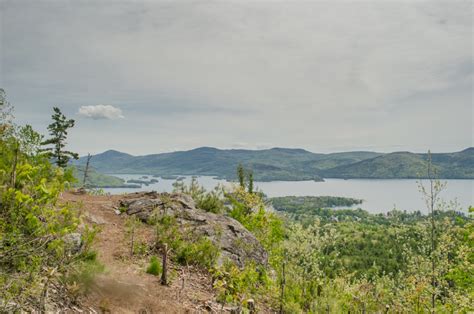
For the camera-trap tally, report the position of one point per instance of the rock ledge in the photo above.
(235, 242)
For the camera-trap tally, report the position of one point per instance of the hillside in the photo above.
(268, 165)
(456, 165)
(287, 164)
(407, 165)
(96, 179)
(348, 241)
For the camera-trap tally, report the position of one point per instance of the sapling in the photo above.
(131, 226)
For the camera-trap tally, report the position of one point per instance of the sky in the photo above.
(157, 76)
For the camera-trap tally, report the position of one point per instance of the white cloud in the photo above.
(99, 112)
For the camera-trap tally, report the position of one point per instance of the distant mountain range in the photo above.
(287, 164)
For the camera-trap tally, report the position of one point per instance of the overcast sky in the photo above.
(150, 76)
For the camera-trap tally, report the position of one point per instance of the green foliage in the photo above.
(131, 226)
(210, 201)
(37, 232)
(58, 131)
(186, 249)
(241, 175)
(154, 268)
(250, 210)
(250, 185)
(305, 208)
(234, 285)
(305, 203)
(350, 260)
(201, 252)
(463, 273)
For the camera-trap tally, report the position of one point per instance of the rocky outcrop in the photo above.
(235, 242)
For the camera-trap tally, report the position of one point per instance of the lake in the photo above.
(379, 195)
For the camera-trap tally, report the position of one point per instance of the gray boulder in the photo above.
(235, 242)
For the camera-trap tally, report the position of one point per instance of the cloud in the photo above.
(99, 112)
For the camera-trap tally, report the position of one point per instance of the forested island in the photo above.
(95, 179)
(305, 203)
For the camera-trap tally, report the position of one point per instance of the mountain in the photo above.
(268, 165)
(397, 165)
(328, 161)
(287, 164)
(389, 166)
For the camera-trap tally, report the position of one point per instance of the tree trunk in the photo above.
(283, 282)
(15, 162)
(86, 170)
(164, 275)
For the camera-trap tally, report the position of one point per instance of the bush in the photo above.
(234, 285)
(186, 248)
(209, 201)
(35, 227)
(201, 253)
(154, 268)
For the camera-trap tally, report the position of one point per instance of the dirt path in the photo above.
(125, 287)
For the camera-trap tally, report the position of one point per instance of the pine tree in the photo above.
(58, 131)
(241, 175)
(250, 185)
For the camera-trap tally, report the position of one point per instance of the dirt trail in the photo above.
(124, 287)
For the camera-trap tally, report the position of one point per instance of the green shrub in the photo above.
(209, 201)
(233, 285)
(201, 253)
(140, 248)
(186, 248)
(38, 233)
(154, 268)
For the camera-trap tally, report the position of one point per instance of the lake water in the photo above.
(379, 196)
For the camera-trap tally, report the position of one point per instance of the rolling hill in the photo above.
(408, 165)
(287, 164)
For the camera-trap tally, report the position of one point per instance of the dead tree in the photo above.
(431, 195)
(282, 287)
(14, 166)
(164, 273)
(86, 170)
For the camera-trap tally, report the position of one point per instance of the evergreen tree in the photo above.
(250, 186)
(58, 131)
(241, 175)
